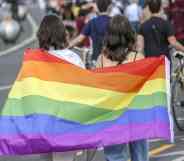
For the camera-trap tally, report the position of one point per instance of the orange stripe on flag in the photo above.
(66, 73)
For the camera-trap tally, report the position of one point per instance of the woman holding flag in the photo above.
(119, 44)
(52, 37)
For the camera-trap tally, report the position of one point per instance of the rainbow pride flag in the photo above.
(55, 106)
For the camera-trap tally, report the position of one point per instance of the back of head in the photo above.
(119, 39)
(51, 33)
(154, 5)
(103, 5)
(146, 3)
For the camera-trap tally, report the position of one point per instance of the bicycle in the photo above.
(177, 89)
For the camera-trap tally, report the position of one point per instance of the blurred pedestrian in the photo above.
(146, 14)
(134, 14)
(53, 7)
(14, 8)
(42, 4)
(141, 3)
(96, 28)
(157, 34)
(81, 21)
(117, 8)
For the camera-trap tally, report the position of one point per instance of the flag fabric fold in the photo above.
(55, 106)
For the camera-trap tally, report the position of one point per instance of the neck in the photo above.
(155, 14)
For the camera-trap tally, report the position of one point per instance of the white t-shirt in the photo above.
(69, 56)
(133, 12)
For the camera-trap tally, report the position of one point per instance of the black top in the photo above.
(156, 32)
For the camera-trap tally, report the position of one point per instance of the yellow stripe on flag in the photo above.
(101, 98)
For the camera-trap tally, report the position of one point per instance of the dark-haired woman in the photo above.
(119, 44)
(52, 37)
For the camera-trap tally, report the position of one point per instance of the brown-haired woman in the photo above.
(52, 37)
(119, 44)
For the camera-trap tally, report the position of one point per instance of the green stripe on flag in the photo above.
(76, 112)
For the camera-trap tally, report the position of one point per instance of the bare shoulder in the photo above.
(139, 56)
(135, 56)
(99, 61)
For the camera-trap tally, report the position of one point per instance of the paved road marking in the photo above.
(2, 88)
(158, 150)
(181, 119)
(25, 42)
(176, 153)
(179, 159)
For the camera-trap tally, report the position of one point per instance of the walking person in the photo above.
(14, 8)
(119, 45)
(157, 34)
(95, 28)
(134, 14)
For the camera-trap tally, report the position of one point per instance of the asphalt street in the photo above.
(10, 62)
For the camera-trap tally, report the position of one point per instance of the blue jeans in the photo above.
(138, 151)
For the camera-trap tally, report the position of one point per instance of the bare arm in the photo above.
(79, 39)
(99, 61)
(140, 44)
(90, 5)
(177, 45)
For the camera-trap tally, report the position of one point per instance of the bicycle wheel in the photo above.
(178, 104)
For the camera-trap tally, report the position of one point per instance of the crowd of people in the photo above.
(118, 33)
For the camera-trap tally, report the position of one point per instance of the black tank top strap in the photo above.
(135, 56)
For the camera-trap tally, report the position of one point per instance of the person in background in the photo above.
(141, 3)
(157, 34)
(68, 12)
(14, 8)
(95, 28)
(145, 12)
(119, 48)
(117, 8)
(81, 21)
(92, 8)
(52, 7)
(42, 4)
(134, 14)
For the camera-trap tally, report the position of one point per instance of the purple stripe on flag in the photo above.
(116, 134)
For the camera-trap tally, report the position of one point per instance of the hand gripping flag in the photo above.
(55, 106)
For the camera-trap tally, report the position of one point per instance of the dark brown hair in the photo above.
(52, 33)
(119, 39)
(103, 5)
(154, 5)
